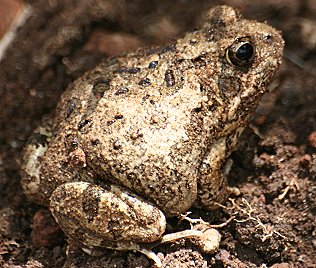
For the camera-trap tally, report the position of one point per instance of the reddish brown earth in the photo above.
(275, 167)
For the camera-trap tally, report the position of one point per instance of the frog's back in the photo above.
(135, 127)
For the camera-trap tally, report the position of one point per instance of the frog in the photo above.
(147, 135)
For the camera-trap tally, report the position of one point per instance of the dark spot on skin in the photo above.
(121, 91)
(152, 102)
(71, 106)
(90, 202)
(118, 116)
(132, 70)
(136, 134)
(95, 142)
(153, 64)
(197, 110)
(144, 82)
(169, 78)
(99, 87)
(64, 164)
(109, 123)
(114, 204)
(199, 61)
(74, 144)
(117, 145)
(174, 174)
(145, 98)
(83, 123)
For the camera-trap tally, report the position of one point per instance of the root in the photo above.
(246, 211)
(293, 185)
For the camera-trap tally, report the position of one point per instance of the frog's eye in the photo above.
(241, 52)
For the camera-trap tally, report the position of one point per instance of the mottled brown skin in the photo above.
(148, 134)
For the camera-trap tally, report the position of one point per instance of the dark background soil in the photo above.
(275, 167)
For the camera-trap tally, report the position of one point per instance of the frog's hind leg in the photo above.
(110, 217)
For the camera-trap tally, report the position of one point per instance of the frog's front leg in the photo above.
(110, 216)
(212, 184)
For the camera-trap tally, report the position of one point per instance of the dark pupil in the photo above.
(244, 52)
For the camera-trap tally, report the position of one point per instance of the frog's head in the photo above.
(248, 54)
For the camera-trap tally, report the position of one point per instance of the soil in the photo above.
(270, 221)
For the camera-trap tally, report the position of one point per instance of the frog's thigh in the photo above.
(212, 185)
(111, 217)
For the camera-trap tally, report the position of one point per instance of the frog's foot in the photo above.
(35, 149)
(207, 240)
(110, 217)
